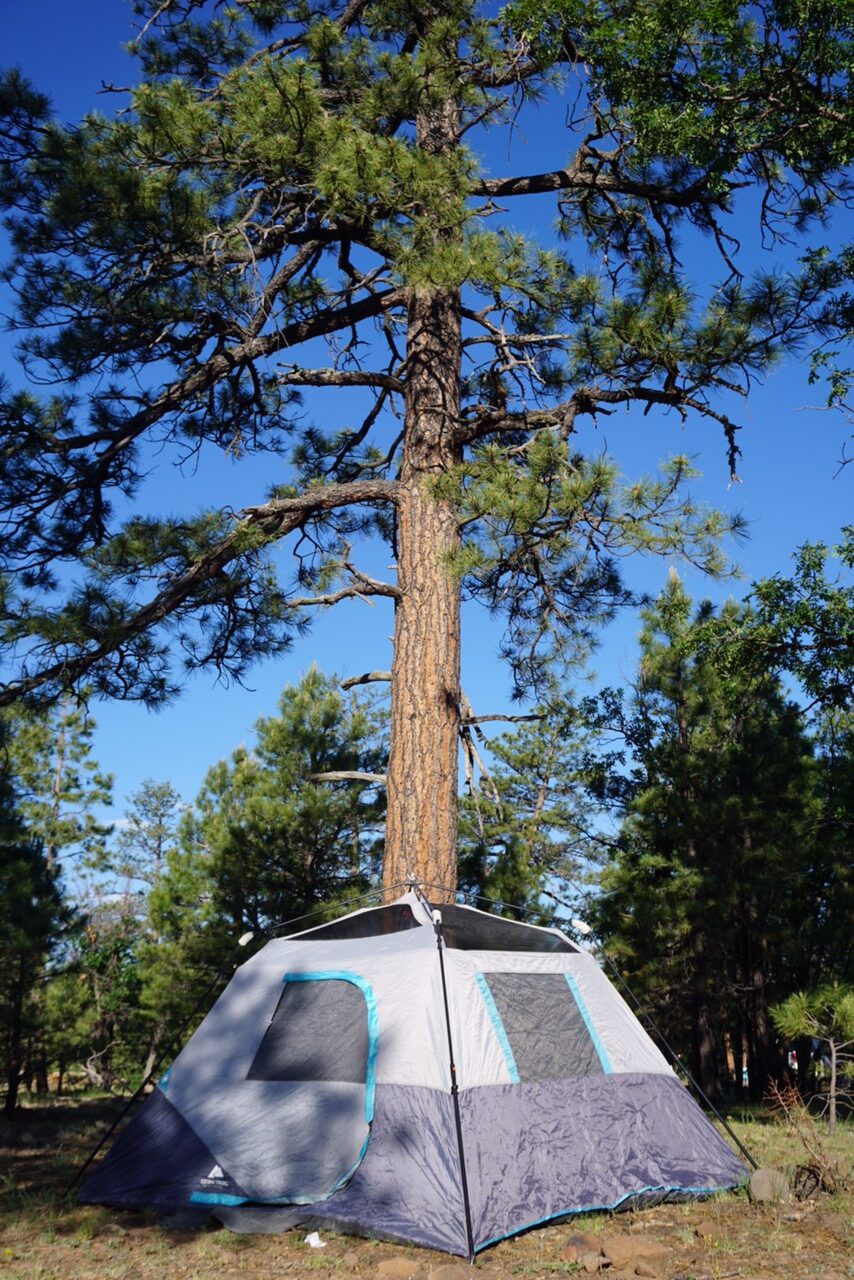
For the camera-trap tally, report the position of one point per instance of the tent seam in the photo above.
(595, 1040)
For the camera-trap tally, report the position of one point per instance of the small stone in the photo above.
(768, 1186)
(838, 1224)
(592, 1262)
(651, 1251)
(646, 1269)
(623, 1251)
(350, 1260)
(707, 1230)
(452, 1271)
(110, 1229)
(396, 1269)
(620, 1250)
(578, 1244)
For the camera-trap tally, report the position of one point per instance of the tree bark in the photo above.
(704, 1056)
(14, 1042)
(421, 826)
(764, 1063)
(831, 1101)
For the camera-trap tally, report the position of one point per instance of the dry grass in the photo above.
(45, 1235)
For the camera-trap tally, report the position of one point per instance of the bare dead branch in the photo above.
(368, 677)
(506, 719)
(349, 775)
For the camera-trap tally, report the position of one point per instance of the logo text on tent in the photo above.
(216, 1175)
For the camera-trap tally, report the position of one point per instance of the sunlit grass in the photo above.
(46, 1235)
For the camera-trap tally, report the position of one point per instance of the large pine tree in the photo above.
(293, 198)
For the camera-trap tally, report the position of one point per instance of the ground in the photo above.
(45, 1235)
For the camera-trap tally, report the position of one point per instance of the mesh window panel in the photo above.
(546, 1032)
(318, 1032)
(467, 930)
(367, 924)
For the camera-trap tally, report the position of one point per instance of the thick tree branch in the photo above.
(582, 179)
(361, 589)
(323, 497)
(368, 677)
(590, 400)
(296, 377)
(217, 366)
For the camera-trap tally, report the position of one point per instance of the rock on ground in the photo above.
(768, 1186)
(397, 1269)
(579, 1244)
(630, 1251)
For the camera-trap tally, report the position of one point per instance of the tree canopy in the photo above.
(293, 196)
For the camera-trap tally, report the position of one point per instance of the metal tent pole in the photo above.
(455, 1093)
(656, 1030)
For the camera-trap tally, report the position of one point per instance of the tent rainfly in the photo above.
(366, 1076)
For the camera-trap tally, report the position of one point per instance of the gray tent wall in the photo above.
(318, 1090)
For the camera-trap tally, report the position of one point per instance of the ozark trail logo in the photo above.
(216, 1175)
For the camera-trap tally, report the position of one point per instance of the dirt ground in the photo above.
(45, 1235)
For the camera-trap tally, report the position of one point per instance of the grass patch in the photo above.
(46, 1235)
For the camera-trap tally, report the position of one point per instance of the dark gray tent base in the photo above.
(534, 1153)
(260, 1220)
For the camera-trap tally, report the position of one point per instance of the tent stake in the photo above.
(455, 1093)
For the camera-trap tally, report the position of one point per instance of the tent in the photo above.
(365, 1075)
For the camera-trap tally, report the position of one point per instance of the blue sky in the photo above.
(792, 489)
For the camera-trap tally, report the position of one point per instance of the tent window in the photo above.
(375, 923)
(320, 1031)
(466, 930)
(543, 1026)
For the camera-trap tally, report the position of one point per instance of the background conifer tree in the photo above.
(266, 841)
(722, 892)
(59, 783)
(33, 917)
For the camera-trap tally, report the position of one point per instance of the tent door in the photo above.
(297, 1128)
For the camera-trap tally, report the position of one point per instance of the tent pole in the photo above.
(455, 1093)
(655, 1029)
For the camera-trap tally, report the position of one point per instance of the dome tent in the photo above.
(319, 1090)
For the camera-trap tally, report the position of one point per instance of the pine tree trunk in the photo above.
(806, 1066)
(704, 1055)
(738, 1047)
(14, 1044)
(151, 1057)
(831, 1101)
(421, 826)
(764, 1065)
(40, 1073)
